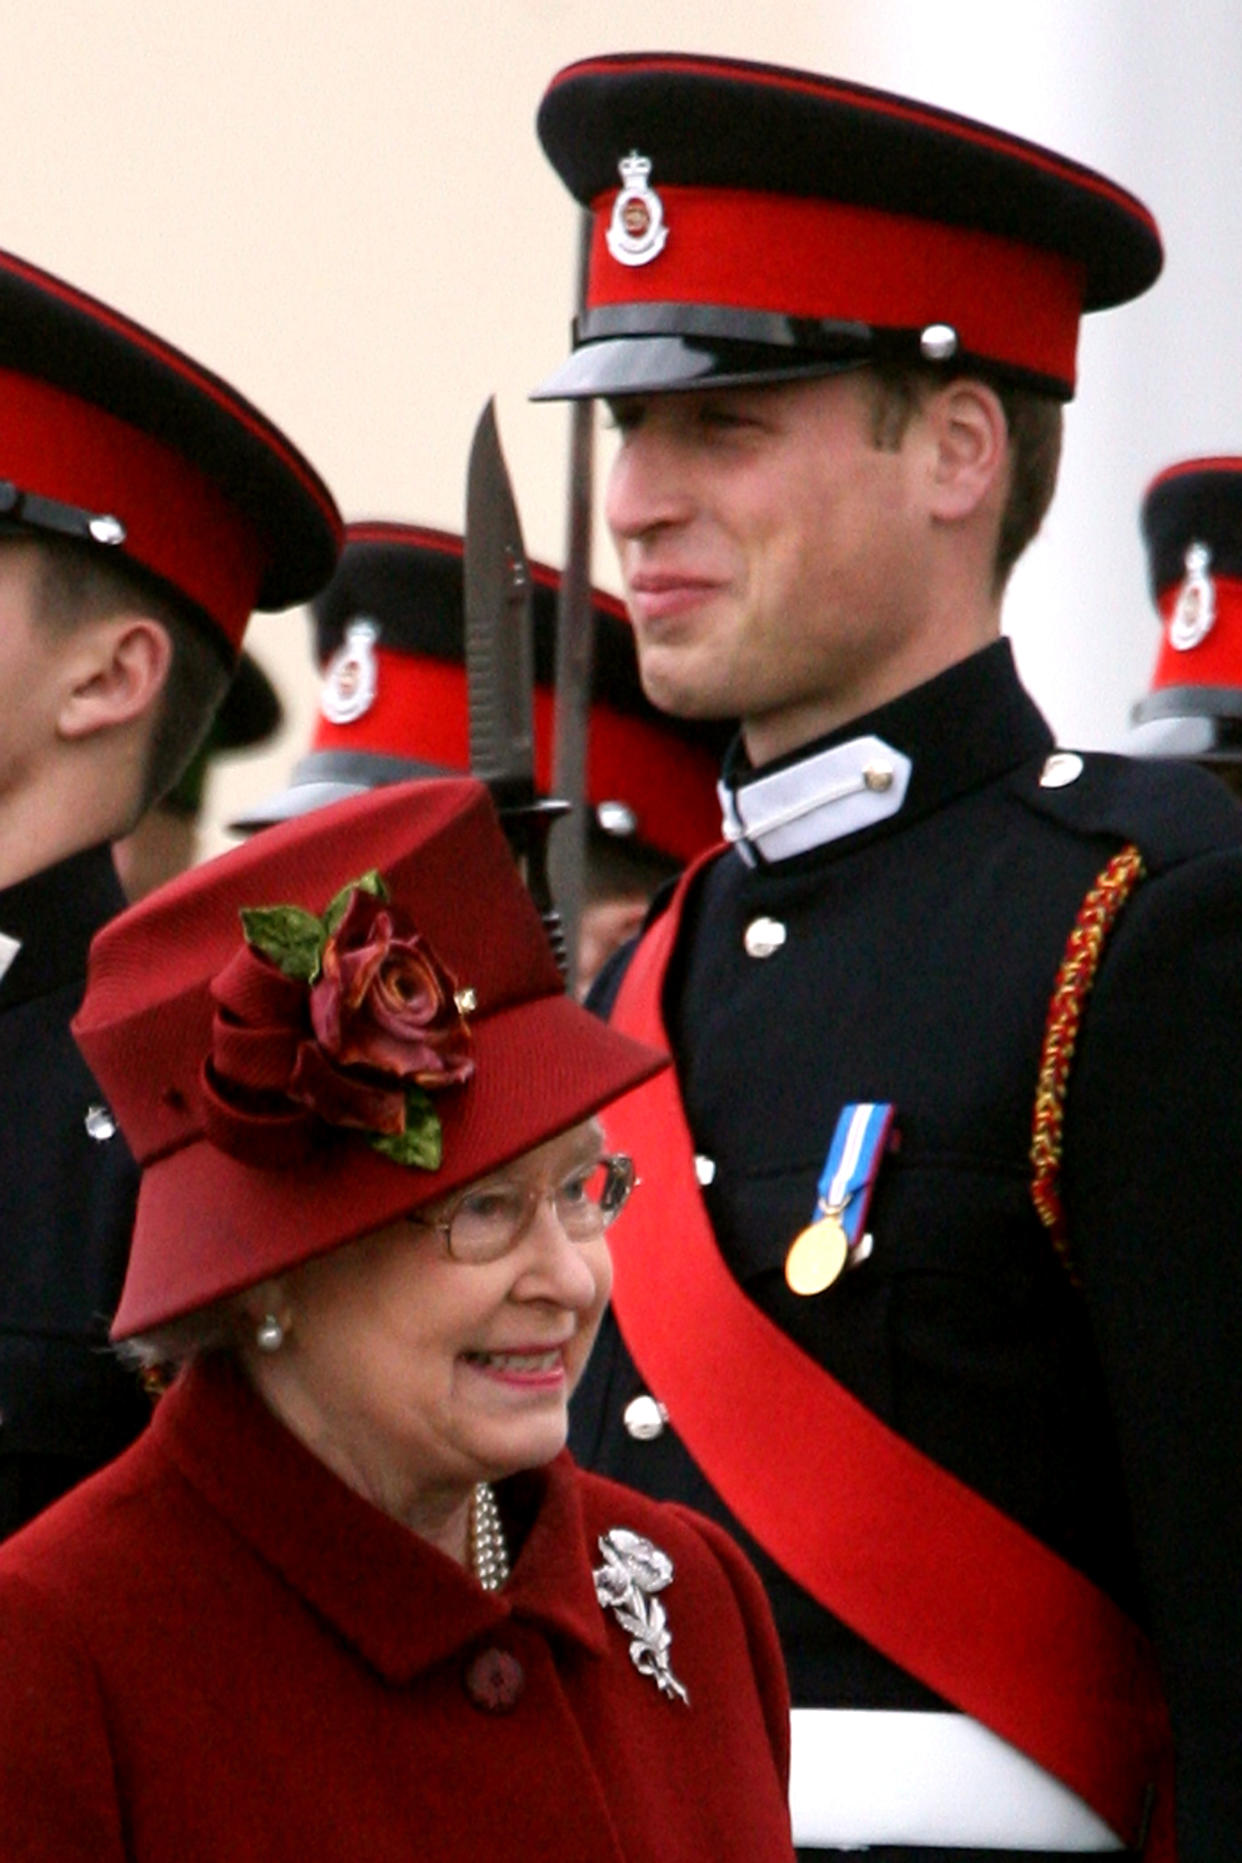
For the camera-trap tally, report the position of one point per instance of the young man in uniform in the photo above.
(929, 1292)
(145, 510)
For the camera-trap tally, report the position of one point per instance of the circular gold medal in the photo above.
(817, 1256)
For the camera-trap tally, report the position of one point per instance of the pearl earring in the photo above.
(269, 1334)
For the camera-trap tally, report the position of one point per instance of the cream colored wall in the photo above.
(342, 208)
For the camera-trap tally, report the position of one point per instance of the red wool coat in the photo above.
(214, 1651)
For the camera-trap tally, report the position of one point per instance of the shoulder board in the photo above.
(1170, 810)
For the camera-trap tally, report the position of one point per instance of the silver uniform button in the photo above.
(1062, 768)
(617, 818)
(704, 1170)
(107, 530)
(644, 1418)
(99, 1123)
(938, 342)
(762, 937)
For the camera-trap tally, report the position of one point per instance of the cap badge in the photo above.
(352, 675)
(636, 232)
(1195, 611)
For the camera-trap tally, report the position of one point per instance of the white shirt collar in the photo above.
(819, 799)
(9, 947)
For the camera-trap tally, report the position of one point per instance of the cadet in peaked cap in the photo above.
(1191, 521)
(389, 633)
(835, 328)
(146, 509)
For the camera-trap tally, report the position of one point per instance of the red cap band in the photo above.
(178, 523)
(419, 712)
(1009, 302)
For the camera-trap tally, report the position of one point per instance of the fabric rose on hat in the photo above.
(384, 1000)
(350, 1018)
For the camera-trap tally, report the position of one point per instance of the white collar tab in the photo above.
(816, 800)
(9, 947)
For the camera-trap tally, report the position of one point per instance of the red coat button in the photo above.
(494, 1681)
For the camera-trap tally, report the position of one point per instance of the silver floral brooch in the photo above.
(632, 1572)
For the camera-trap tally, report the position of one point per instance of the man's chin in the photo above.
(673, 690)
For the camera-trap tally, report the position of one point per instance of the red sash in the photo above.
(923, 1568)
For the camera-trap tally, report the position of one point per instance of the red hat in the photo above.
(755, 224)
(271, 1075)
(1191, 520)
(390, 644)
(110, 436)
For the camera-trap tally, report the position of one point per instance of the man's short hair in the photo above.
(1035, 423)
(76, 585)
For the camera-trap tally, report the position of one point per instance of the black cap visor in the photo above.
(1190, 701)
(642, 349)
(635, 349)
(1203, 737)
(324, 776)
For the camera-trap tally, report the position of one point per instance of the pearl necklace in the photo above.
(489, 1555)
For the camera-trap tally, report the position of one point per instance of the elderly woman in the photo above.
(348, 1597)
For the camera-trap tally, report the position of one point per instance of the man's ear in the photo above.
(970, 441)
(118, 670)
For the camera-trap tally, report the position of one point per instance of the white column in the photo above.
(1147, 92)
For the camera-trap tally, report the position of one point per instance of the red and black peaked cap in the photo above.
(755, 224)
(1191, 522)
(111, 436)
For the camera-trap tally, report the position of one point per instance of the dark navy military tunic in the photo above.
(918, 966)
(66, 1202)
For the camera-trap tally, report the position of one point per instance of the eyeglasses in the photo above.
(484, 1223)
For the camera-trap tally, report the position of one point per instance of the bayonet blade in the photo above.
(500, 667)
(500, 660)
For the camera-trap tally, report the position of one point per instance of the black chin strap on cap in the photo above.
(22, 511)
